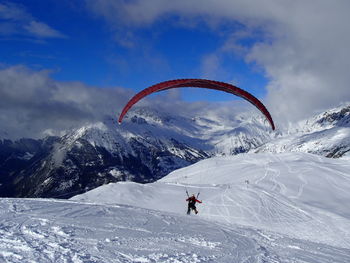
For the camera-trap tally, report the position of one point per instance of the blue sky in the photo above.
(85, 47)
(68, 62)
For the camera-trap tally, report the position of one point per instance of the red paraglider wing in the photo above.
(198, 83)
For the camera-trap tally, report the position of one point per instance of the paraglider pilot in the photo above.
(192, 200)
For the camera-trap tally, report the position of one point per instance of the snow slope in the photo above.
(294, 209)
(43, 230)
(302, 195)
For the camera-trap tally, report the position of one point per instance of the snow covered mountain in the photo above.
(326, 134)
(294, 209)
(146, 147)
(150, 144)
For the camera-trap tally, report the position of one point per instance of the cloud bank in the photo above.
(34, 105)
(302, 46)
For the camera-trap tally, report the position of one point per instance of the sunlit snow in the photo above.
(291, 207)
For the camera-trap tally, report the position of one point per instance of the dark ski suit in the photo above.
(192, 204)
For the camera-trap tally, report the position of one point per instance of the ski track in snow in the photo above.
(66, 231)
(295, 194)
(38, 231)
(292, 210)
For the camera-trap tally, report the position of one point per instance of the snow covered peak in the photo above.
(210, 133)
(339, 116)
(150, 144)
(326, 134)
(334, 117)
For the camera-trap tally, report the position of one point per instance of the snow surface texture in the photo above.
(256, 208)
(296, 196)
(34, 230)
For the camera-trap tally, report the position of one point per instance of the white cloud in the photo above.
(211, 66)
(15, 20)
(303, 45)
(11, 11)
(42, 30)
(33, 104)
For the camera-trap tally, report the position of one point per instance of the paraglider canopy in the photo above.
(198, 83)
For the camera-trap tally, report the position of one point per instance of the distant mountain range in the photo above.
(150, 144)
(326, 134)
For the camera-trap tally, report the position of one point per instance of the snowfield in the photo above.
(291, 207)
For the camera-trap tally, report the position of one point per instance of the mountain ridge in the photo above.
(149, 145)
